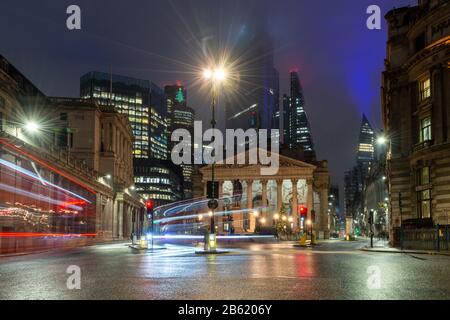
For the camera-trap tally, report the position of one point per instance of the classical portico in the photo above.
(296, 183)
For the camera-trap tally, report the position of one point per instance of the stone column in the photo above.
(250, 194)
(221, 206)
(322, 218)
(99, 217)
(221, 184)
(120, 213)
(251, 217)
(264, 193)
(279, 194)
(115, 218)
(310, 197)
(294, 208)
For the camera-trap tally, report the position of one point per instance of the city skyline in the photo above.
(348, 200)
(348, 88)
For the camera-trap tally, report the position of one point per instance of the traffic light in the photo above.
(212, 190)
(149, 204)
(303, 211)
(370, 217)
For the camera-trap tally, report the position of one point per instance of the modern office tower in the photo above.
(159, 180)
(285, 120)
(129, 96)
(275, 101)
(183, 118)
(298, 128)
(355, 179)
(180, 117)
(366, 147)
(176, 97)
(334, 209)
(145, 106)
(255, 100)
(158, 124)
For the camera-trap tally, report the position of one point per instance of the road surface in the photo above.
(333, 270)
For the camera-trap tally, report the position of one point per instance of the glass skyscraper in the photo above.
(158, 124)
(145, 105)
(355, 178)
(298, 129)
(255, 99)
(129, 96)
(366, 147)
(180, 117)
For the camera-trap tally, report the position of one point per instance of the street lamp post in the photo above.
(213, 126)
(215, 76)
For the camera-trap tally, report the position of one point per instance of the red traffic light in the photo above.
(303, 211)
(149, 204)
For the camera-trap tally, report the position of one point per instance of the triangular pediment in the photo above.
(284, 161)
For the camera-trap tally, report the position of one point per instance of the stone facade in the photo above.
(78, 146)
(269, 194)
(101, 138)
(416, 114)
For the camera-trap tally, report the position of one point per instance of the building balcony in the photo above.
(423, 145)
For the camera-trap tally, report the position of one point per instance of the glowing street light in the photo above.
(255, 213)
(276, 216)
(216, 75)
(262, 220)
(220, 75)
(284, 218)
(291, 219)
(207, 74)
(31, 127)
(381, 140)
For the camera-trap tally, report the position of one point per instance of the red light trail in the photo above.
(47, 166)
(55, 235)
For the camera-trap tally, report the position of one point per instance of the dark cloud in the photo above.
(339, 59)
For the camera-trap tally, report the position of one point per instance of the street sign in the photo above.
(213, 204)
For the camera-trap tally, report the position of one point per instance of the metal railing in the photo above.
(436, 239)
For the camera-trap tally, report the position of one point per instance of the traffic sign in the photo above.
(213, 204)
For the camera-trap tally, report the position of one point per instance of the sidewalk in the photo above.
(62, 248)
(383, 247)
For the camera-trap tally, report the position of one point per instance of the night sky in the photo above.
(339, 59)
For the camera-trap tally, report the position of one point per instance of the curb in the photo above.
(138, 248)
(20, 254)
(431, 253)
